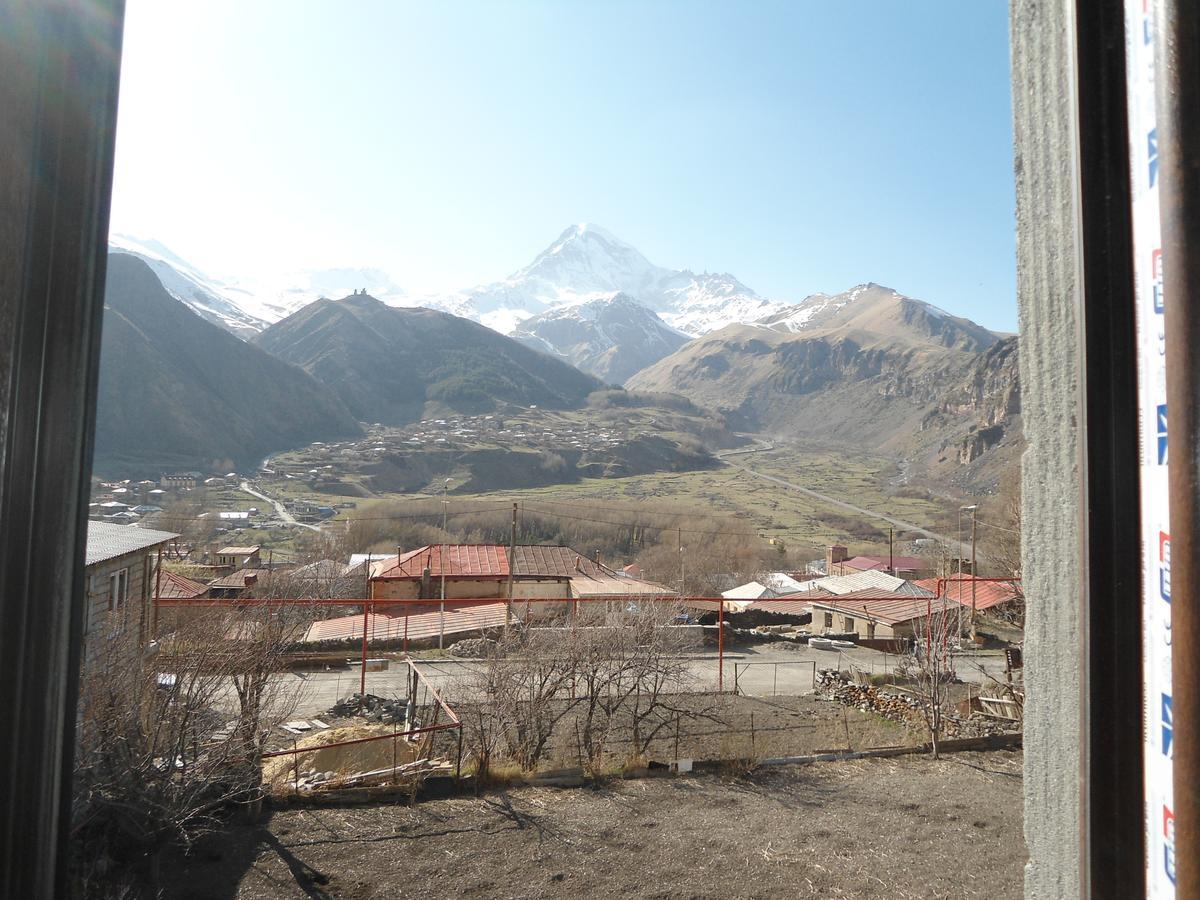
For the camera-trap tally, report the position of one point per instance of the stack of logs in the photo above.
(894, 707)
(902, 708)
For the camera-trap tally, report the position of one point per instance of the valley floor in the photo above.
(894, 828)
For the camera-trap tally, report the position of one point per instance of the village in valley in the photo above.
(343, 641)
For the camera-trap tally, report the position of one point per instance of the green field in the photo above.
(805, 524)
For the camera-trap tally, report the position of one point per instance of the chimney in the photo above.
(835, 554)
(426, 579)
(578, 564)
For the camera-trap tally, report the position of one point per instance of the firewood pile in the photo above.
(904, 709)
(838, 686)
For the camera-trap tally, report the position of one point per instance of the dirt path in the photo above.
(280, 510)
(898, 828)
(842, 504)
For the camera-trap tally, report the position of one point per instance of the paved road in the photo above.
(758, 671)
(280, 509)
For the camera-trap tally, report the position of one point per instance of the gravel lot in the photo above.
(894, 828)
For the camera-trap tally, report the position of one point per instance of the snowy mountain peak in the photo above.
(587, 260)
(610, 335)
(588, 229)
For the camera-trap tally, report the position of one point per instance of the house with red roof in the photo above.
(839, 562)
(975, 593)
(482, 571)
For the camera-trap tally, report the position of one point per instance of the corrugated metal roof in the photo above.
(172, 586)
(752, 590)
(239, 551)
(987, 593)
(478, 560)
(237, 580)
(107, 541)
(563, 562)
(859, 581)
(874, 594)
(866, 563)
(782, 582)
(890, 611)
(616, 586)
(420, 626)
(490, 561)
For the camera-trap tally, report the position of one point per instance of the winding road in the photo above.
(280, 510)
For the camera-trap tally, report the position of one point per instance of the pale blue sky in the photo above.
(801, 146)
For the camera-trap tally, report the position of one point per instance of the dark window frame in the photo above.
(61, 77)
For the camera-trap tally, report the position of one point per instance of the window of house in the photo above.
(118, 589)
(849, 624)
(828, 620)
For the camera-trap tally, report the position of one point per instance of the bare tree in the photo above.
(1001, 536)
(611, 667)
(931, 666)
(263, 633)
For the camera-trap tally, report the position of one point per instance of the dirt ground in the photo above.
(895, 828)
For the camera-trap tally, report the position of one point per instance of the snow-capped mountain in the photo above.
(209, 298)
(585, 261)
(246, 307)
(609, 335)
(873, 311)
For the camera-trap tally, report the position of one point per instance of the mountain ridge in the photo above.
(868, 367)
(394, 365)
(611, 336)
(178, 391)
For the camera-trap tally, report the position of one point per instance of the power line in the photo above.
(998, 527)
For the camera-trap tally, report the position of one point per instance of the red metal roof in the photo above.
(172, 586)
(865, 563)
(987, 593)
(479, 560)
(490, 561)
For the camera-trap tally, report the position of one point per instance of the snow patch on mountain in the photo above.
(208, 297)
(610, 335)
(587, 260)
(244, 306)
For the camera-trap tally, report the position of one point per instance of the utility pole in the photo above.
(972, 508)
(974, 574)
(679, 542)
(959, 554)
(445, 550)
(512, 561)
(891, 555)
